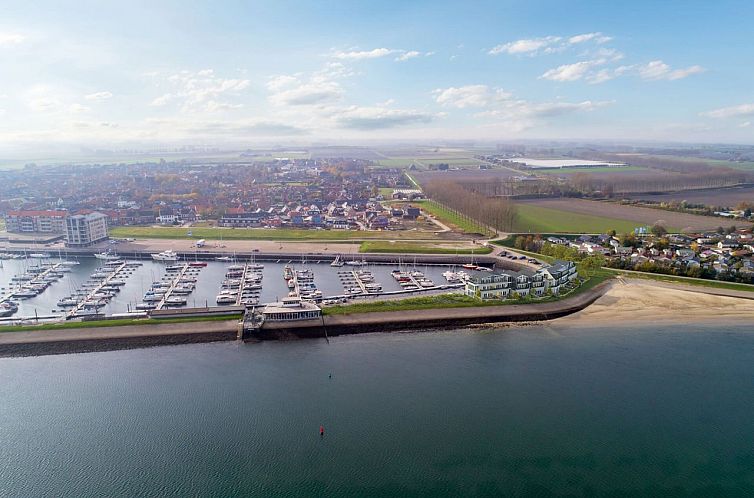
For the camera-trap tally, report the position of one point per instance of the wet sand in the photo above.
(641, 302)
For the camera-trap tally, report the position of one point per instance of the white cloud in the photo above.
(469, 96)
(526, 46)
(202, 91)
(98, 96)
(374, 118)
(45, 104)
(408, 55)
(78, 108)
(745, 124)
(363, 54)
(524, 110)
(571, 72)
(10, 39)
(291, 91)
(743, 110)
(658, 70)
(162, 100)
(597, 37)
(548, 44)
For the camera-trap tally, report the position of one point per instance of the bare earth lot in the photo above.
(646, 216)
(727, 197)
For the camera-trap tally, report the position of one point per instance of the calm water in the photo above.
(520, 411)
(207, 286)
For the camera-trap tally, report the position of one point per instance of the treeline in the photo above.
(498, 213)
(611, 186)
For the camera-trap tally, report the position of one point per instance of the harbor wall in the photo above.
(312, 257)
(84, 340)
(441, 318)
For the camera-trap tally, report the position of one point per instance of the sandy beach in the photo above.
(642, 302)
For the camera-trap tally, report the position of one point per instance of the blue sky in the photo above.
(167, 72)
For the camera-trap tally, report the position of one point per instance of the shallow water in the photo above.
(518, 411)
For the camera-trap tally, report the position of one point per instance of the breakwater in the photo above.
(438, 318)
(78, 340)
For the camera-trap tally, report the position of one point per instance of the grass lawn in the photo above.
(115, 323)
(386, 192)
(291, 234)
(531, 218)
(384, 246)
(411, 303)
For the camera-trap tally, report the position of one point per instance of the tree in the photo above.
(658, 230)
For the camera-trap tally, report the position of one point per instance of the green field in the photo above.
(531, 218)
(384, 246)
(386, 192)
(284, 234)
(425, 161)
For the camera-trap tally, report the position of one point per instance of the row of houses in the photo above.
(707, 253)
(371, 215)
(507, 284)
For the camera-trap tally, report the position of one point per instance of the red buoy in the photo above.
(321, 430)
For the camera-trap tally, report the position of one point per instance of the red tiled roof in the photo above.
(38, 213)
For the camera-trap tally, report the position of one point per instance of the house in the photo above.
(411, 212)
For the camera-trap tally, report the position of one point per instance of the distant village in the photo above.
(337, 194)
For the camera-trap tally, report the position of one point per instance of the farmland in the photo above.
(563, 215)
(726, 197)
(532, 218)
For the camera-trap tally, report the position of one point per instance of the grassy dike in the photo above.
(114, 323)
(458, 300)
(383, 246)
(279, 234)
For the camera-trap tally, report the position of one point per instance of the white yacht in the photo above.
(168, 255)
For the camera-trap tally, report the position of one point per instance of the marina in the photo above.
(116, 287)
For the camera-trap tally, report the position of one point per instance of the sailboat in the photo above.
(337, 262)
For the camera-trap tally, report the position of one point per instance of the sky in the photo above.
(163, 73)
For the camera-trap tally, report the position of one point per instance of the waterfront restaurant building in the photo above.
(291, 308)
(83, 230)
(509, 284)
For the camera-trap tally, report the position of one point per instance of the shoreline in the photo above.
(635, 301)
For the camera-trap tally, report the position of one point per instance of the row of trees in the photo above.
(498, 213)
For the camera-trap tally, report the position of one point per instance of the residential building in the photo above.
(35, 221)
(84, 230)
(509, 284)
